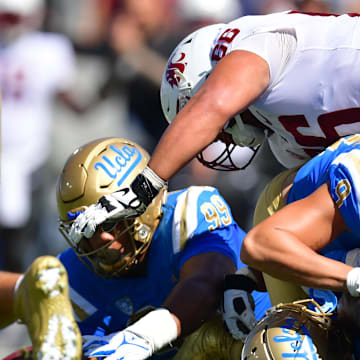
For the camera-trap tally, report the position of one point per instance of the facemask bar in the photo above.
(318, 316)
(224, 161)
(64, 228)
(183, 97)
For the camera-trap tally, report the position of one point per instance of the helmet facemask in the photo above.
(224, 155)
(107, 262)
(294, 330)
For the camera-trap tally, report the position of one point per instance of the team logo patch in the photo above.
(175, 69)
(125, 305)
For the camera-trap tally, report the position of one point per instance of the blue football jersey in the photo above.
(194, 221)
(338, 165)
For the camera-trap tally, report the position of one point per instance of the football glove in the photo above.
(122, 345)
(138, 341)
(126, 203)
(238, 304)
(353, 282)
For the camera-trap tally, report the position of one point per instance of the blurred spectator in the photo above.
(348, 6)
(316, 6)
(271, 6)
(34, 68)
(198, 13)
(140, 40)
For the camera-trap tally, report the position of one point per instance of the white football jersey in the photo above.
(316, 98)
(33, 69)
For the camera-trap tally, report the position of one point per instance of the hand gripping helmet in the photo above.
(293, 331)
(186, 70)
(99, 168)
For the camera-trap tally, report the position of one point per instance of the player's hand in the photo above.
(122, 345)
(123, 204)
(238, 305)
(353, 282)
(126, 203)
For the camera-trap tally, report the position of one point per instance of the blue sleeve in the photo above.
(262, 303)
(227, 241)
(345, 188)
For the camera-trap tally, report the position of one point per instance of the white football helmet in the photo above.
(187, 68)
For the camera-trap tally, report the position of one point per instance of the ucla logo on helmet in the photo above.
(120, 162)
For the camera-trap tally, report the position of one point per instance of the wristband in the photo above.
(353, 282)
(155, 180)
(158, 327)
(147, 185)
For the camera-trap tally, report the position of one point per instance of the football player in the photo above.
(311, 238)
(255, 78)
(153, 283)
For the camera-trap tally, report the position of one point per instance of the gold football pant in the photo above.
(270, 201)
(211, 341)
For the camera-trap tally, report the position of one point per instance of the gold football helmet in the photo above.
(99, 168)
(293, 331)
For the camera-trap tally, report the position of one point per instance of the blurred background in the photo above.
(73, 71)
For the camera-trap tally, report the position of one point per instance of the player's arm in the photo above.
(236, 81)
(7, 293)
(285, 245)
(197, 295)
(192, 301)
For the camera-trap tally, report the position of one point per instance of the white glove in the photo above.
(353, 282)
(138, 341)
(238, 305)
(122, 345)
(126, 203)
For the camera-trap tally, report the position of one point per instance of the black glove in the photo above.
(238, 303)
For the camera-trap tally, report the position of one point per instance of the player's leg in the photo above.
(210, 341)
(271, 200)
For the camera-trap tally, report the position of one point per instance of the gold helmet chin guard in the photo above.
(96, 169)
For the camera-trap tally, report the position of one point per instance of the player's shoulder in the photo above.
(345, 148)
(341, 155)
(192, 195)
(199, 208)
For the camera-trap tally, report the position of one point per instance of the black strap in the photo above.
(239, 282)
(144, 189)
